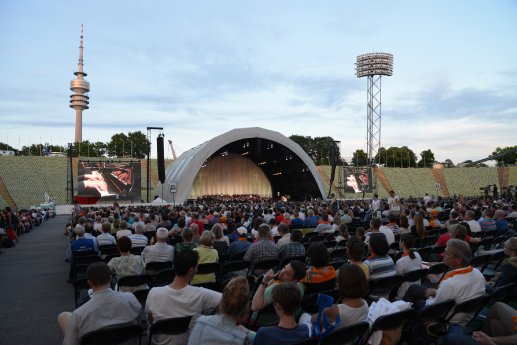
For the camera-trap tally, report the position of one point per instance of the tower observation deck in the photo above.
(79, 100)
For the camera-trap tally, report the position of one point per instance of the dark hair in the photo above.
(404, 223)
(99, 274)
(296, 235)
(409, 242)
(379, 244)
(185, 260)
(352, 282)
(124, 244)
(318, 254)
(298, 268)
(181, 222)
(376, 223)
(288, 296)
(355, 249)
(187, 234)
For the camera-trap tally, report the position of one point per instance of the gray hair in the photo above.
(460, 249)
(139, 228)
(264, 231)
(79, 230)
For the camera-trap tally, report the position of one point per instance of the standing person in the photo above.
(117, 307)
(287, 300)
(180, 299)
(394, 203)
(222, 329)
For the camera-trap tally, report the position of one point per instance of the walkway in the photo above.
(33, 287)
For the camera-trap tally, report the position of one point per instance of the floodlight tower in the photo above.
(79, 100)
(374, 66)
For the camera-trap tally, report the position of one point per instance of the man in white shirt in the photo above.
(375, 227)
(471, 221)
(180, 299)
(394, 203)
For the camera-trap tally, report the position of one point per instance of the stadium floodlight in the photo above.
(374, 66)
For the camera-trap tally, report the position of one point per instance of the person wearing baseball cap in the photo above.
(241, 245)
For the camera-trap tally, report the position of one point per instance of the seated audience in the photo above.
(138, 239)
(379, 263)
(180, 299)
(320, 271)
(356, 253)
(409, 261)
(160, 251)
(207, 254)
(221, 241)
(293, 248)
(351, 307)
(106, 237)
(117, 307)
(186, 243)
(287, 300)
(283, 230)
(241, 245)
(222, 329)
(127, 264)
(263, 249)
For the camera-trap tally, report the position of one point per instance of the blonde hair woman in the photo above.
(207, 254)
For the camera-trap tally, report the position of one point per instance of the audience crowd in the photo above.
(252, 270)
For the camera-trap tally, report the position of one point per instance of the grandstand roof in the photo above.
(289, 169)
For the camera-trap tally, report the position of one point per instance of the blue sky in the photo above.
(201, 68)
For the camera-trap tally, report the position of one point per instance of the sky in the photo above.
(201, 68)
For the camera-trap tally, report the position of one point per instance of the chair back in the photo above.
(132, 281)
(436, 311)
(338, 254)
(440, 268)
(81, 286)
(389, 321)
(317, 238)
(141, 295)
(264, 265)
(237, 257)
(212, 267)
(424, 252)
(164, 277)
(502, 293)
(384, 287)
(415, 276)
(136, 250)
(472, 306)
(170, 326)
(309, 302)
(285, 261)
(319, 287)
(155, 267)
(113, 335)
(337, 264)
(347, 335)
(233, 266)
(480, 261)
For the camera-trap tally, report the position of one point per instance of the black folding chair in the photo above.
(212, 267)
(170, 326)
(319, 287)
(384, 287)
(437, 269)
(263, 265)
(480, 261)
(285, 261)
(132, 281)
(81, 287)
(164, 277)
(472, 306)
(113, 335)
(351, 335)
(338, 254)
(234, 266)
(390, 321)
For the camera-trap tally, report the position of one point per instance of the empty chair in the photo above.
(113, 335)
(469, 309)
(431, 314)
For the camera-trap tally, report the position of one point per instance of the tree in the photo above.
(4, 146)
(509, 155)
(407, 157)
(138, 144)
(360, 158)
(117, 145)
(319, 148)
(427, 159)
(448, 163)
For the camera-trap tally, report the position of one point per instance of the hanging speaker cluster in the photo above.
(161, 160)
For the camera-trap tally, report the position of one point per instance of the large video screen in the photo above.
(358, 180)
(109, 180)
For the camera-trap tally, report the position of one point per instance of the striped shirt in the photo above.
(380, 267)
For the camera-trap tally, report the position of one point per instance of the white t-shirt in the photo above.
(394, 203)
(165, 302)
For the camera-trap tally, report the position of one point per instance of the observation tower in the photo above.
(374, 66)
(79, 100)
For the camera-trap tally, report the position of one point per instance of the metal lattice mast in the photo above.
(374, 66)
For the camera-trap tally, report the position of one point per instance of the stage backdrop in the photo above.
(120, 180)
(231, 174)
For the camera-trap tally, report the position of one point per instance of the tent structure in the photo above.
(284, 164)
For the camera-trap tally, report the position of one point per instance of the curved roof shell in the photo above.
(289, 169)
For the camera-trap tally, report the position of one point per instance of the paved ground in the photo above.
(33, 287)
